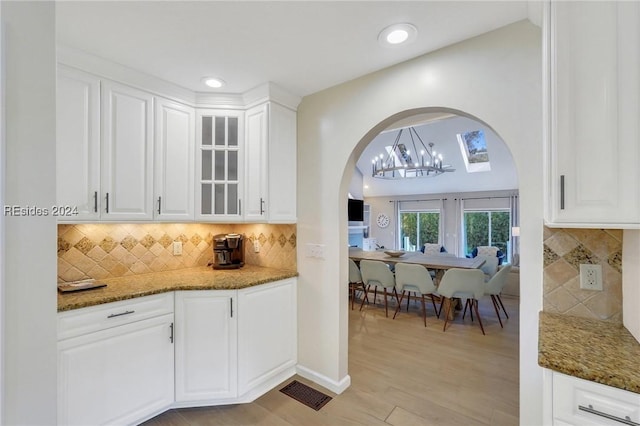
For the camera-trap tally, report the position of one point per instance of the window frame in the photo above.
(509, 249)
(437, 211)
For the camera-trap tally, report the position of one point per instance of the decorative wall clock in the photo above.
(382, 220)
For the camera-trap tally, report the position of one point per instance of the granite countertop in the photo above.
(599, 351)
(198, 278)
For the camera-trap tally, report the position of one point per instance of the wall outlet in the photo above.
(591, 277)
(177, 248)
(256, 246)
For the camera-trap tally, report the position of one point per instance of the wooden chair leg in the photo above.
(464, 313)
(475, 306)
(424, 310)
(366, 290)
(435, 308)
(446, 317)
(386, 309)
(375, 295)
(399, 304)
(500, 300)
(495, 307)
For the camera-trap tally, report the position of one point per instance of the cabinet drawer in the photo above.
(87, 320)
(581, 402)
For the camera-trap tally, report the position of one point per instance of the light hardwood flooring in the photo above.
(401, 374)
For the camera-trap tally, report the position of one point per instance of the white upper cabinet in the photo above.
(174, 160)
(592, 114)
(270, 164)
(127, 153)
(219, 165)
(78, 144)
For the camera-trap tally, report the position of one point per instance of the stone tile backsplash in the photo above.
(564, 251)
(113, 250)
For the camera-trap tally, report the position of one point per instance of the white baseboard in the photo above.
(334, 386)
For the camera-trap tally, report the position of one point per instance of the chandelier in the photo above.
(401, 162)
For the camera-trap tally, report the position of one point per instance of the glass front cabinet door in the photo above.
(219, 165)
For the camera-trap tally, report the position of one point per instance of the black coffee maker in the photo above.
(228, 251)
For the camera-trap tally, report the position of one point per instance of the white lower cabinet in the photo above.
(581, 402)
(119, 375)
(267, 331)
(118, 364)
(206, 348)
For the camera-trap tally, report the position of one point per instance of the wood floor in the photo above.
(401, 374)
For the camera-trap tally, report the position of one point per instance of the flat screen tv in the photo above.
(356, 210)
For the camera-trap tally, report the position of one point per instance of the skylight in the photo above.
(474, 151)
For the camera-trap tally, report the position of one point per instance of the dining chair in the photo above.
(494, 288)
(489, 267)
(414, 278)
(462, 284)
(355, 283)
(377, 274)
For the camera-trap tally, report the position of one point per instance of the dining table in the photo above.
(439, 263)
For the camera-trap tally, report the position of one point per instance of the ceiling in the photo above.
(442, 130)
(302, 46)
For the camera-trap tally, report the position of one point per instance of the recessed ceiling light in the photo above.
(213, 82)
(397, 34)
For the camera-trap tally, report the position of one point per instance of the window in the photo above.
(474, 151)
(418, 228)
(487, 228)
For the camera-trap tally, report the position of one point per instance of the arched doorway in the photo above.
(503, 89)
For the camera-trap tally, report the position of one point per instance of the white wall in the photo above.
(495, 78)
(29, 320)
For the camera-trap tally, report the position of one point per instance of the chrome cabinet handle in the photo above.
(171, 335)
(107, 199)
(561, 192)
(95, 202)
(627, 420)
(120, 314)
(159, 204)
(261, 206)
(231, 302)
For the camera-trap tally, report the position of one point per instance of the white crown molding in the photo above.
(113, 71)
(271, 92)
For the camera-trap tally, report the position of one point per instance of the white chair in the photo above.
(494, 288)
(462, 284)
(432, 249)
(489, 267)
(415, 278)
(355, 283)
(377, 274)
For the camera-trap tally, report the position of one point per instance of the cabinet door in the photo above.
(78, 143)
(206, 351)
(174, 159)
(219, 165)
(267, 332)
(127, 153)
(594, 108)
(257, 126)
(116, 376)
(282, 160)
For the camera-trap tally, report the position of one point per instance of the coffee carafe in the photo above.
(228, 251)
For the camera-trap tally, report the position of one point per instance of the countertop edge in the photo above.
(598, 351)
(190, 279)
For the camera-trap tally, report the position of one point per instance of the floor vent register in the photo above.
(306, 395)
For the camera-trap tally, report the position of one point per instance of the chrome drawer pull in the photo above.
(627, 420)
(120, 314)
